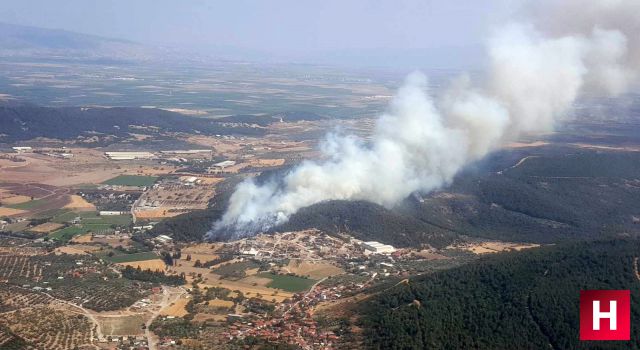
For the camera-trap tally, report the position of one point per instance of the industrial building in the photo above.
(224, 164)
(378, 248)
(129, 155)
(22, 149)
(188, 151)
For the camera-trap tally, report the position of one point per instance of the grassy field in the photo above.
(131, 257)
(92, 218)
(67, 233)
(28, 205)
(132, 180)
(288, 283)
(235, 270)
(90, 222)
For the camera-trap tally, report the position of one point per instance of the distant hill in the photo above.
(24, 122)
(517, 300)
(35, 42)
(368, 221)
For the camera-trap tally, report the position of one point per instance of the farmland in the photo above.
(123, 258)
(288, 283)
(28, 205)
(89, 221)
(49, 328)
(122, 325)
(131, 180)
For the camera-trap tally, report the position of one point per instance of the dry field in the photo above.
(176, 308)
(46, 227)
(429, 255)
(71, 250)
(158, 213)
(153, 265)
(10, 198)
(259, 163)
(201, 248)
(80, 204)
(108, 240)
(10, 212)
(86, 238)
(121, 325)
(315, 270)
(209, 180)
(255, 280)
(88, 166)
(220, 303)
(496, 247)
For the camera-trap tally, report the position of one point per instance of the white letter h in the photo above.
(598, 315)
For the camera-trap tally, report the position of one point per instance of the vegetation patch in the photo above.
(288, 283)
(131, 257)
(28, 205)
(132, 180)
(236, 270)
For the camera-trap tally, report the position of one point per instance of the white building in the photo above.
(129, 155)
(164, 239)
(378, 248)
(224, 164)
(22, 149)
(187, 151)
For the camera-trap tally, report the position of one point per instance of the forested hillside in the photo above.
(546, 197)
(368, 221)
(523, 300)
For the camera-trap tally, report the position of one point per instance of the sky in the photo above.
(278, 27)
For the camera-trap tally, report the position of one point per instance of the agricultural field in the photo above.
(235, 270)
(93, 292)
(132, 180)
(312, 269)
(14, 298)
(67, 233)
(124, 258)
(288, 283)
(28, 205)
(152, 264)
(19, 268)
(49, 328)
(121, 325)
(79, 279)
(89, 221)
(46, 227)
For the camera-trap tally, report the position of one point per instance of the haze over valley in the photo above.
(418, 175)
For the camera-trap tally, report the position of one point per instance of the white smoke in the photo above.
(537, 71)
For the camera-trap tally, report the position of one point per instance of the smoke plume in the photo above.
(537, 70)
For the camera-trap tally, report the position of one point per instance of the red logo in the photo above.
(605, 315)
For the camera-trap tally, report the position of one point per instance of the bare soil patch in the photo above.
(153, 265)
(46, 227)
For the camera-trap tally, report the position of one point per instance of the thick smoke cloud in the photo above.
(537, 70)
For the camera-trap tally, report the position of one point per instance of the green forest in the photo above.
(519, 300)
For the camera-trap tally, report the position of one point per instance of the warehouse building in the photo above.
(129, 155)
(378, 248)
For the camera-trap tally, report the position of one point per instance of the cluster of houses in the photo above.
(293, 321)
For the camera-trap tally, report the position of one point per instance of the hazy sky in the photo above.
(290, 26)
